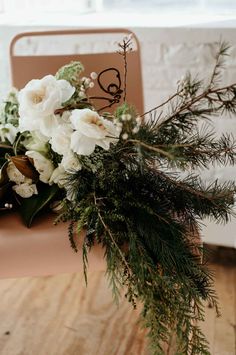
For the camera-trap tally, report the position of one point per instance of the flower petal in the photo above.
(67, 90)
(81, 144)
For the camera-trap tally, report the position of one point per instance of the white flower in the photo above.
(65, 117)
(43, 165)
(58, 176)
(40, 98)
(61, 137)
(135, 129)
(70, 162)
(25, 190)
(91, 130)
(8, 131)
(48, 124)
(15, 175)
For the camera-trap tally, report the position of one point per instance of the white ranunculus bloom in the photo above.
(15, 175)
(40, 98)
(25, 190)
(43, 165)
(70, 162)
(58, 176)
(61, 137)
(48, 124)
(91, 130)
(65, 117)
(8, 132)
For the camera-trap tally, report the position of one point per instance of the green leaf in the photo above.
(4, 149)
(3, 174)
(5, 184)
(4, 191)
(31, 206)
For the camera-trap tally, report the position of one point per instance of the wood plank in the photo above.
(59, 316)
(224, 339)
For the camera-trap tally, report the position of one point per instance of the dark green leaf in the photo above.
(30, 207)
(3, 174)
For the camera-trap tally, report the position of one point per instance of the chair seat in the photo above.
(44, 249)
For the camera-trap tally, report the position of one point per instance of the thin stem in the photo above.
(163, 104)
(6, 146)
(197, 193)
(196, 99)
(111, 236)
(150, 147)
(125, 48)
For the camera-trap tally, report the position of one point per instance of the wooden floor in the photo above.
(59, 316)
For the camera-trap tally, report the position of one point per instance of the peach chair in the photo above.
(41, 250)
(45, 249)
(26, 66)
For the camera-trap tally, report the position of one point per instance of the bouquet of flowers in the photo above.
(129, 178)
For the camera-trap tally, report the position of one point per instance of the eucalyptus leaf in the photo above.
(31, 206)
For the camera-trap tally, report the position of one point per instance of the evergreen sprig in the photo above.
(135, 201)
(143, 199)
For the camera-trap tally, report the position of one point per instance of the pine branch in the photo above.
(125, 48)
(222, 52)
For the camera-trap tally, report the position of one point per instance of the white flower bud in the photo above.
(93, 75)
(15, 175)
(87, 81)
(43, 165)
(126, 117)
(81, 94)
(139, 120)
(25, 190)
(135, 129)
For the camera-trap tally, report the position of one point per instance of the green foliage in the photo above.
(9, 111)
(70, 72)
(147, 216)
(31, 206)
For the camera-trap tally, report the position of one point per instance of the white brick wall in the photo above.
(167, 53)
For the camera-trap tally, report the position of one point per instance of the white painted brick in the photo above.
(231, 60)
(151, 52)
(184, 54)
(154, 97)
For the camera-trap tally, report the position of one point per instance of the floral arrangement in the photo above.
(128, 178)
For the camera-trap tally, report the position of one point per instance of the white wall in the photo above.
(167, 53)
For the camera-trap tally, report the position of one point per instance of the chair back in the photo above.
(36, 54)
